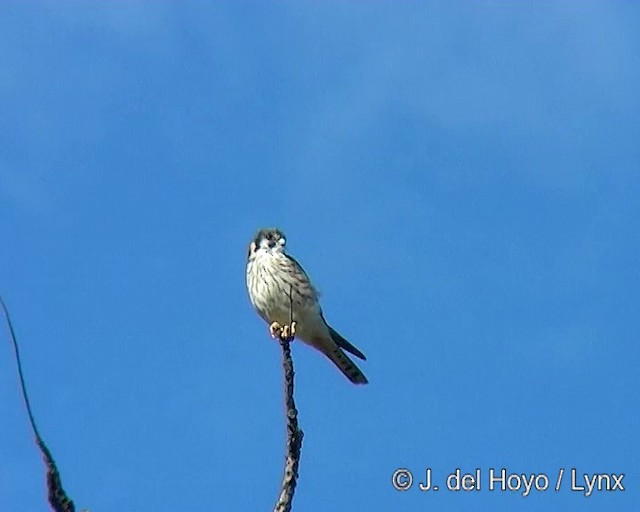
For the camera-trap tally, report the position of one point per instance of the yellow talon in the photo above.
(282, 332)
(276, 330)
(288, 332)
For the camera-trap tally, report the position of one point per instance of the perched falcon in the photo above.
(280, 289)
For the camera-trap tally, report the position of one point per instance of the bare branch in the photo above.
(294, 434)
(58, 499)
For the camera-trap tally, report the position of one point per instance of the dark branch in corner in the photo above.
(58, 499)
(294, 434)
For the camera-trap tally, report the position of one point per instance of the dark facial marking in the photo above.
(270, 234)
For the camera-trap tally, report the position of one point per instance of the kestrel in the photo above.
(281, 291)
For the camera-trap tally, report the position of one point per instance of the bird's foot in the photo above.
(288, 332)
(282, 332)
(275, 329)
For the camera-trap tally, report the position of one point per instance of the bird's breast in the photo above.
(278, 294)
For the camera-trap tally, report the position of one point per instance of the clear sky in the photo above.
(460, 179)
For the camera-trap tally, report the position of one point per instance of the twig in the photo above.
(58, 499)
(294, 434)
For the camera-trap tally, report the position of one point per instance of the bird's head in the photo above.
(269, 240)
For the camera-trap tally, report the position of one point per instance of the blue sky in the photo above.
(461, 180)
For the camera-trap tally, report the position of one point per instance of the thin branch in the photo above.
(58, 499)
(294, 434)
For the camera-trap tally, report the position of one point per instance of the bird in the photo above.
(282, 293)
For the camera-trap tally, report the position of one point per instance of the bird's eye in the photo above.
(269, 236)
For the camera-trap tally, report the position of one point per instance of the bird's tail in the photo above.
(346, 365)
(344, 344)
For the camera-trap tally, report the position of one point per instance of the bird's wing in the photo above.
(297, 265)
(301, 274)
(302, 279)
